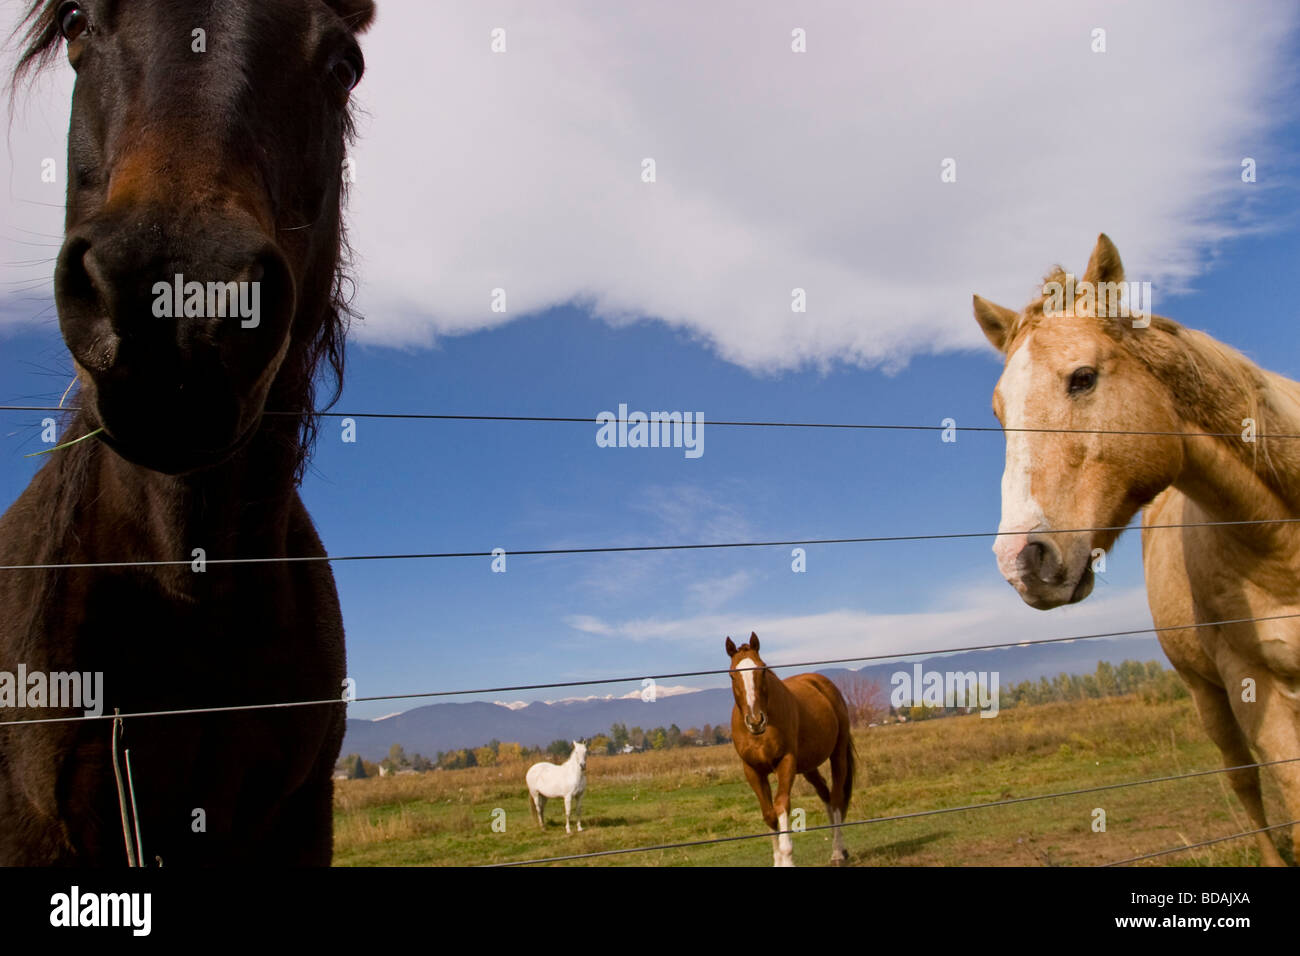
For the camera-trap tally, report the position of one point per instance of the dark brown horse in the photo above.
(788, 727)
(214, 156)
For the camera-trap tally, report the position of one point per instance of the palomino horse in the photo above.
(567, 780)
(219, 162)
(790, 727)
(1089, 370)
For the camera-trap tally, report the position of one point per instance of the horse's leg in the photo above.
(568, 802)
(841, 790)
(818, 782)
(763, 790)
(784, 781)
(1272, 725)
(577, 810)
(539, 804)
(1215, 710)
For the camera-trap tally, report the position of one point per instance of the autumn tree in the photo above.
(865, 699)
(510, 752)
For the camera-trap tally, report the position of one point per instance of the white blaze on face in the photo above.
(1020, 512)
(746, 670)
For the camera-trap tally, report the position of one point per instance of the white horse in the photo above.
(567, 780)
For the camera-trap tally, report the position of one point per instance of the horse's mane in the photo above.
(1215, 387)
(1212, 385)
(323, 345)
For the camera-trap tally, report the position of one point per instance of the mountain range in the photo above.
(449, 726)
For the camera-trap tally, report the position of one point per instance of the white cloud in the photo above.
(969, 618)
(698, 512)
(674, 513)
(775, 170)
(711, 593)
(588, 624)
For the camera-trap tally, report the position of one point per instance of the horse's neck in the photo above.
(780, 699)
(1233, 479)
(238, 509)
(1222, 399)
(776, 689)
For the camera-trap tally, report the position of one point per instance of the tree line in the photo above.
(495, 753)
(1150, 681)
(867, 702)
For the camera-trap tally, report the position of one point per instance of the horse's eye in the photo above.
(1083, 380)
(347, 72)
(72, 21)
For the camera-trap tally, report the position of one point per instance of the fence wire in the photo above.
(627, 549)
(657, 677)
(723, 423)
(1194, 846)
(588, 420)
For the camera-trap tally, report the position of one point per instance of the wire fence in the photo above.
(699, 673)
(631, 548)
(1194, 846)
(725, 423)
(898, 655)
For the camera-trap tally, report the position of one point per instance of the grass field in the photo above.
(445, 817)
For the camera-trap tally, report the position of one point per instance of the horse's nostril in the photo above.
(1030, 559)
(74, 278)
(1042, 561)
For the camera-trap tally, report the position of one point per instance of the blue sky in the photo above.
(1221, 257)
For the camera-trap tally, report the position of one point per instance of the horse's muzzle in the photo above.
(1045, 576)
(179, 333)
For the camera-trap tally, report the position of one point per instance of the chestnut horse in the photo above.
(206, 142)
(1207, 457)
(788, 727)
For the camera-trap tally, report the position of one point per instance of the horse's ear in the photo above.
(753, 641)
(731, 648)
(996, 321)
(357, 14)
(1104, 264)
